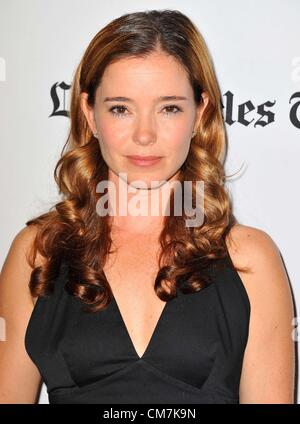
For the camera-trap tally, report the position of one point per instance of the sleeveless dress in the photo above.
(195, 354)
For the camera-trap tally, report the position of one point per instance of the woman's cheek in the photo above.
(180, 142)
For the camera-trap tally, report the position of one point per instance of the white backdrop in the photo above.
(255, 47)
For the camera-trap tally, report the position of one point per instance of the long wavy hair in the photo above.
(73, 231)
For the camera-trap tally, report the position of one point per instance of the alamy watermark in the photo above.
(2, 329)
(2, 69)
(117, 201)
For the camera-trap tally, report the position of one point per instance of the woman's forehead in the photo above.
(166, 75)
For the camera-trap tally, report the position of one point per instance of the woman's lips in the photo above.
(144, 160)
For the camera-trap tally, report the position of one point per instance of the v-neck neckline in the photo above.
(154, 334)
(123, 324)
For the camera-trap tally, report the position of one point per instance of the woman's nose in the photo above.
(144, 141)
(144, 135)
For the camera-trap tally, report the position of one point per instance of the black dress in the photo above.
(195, 354)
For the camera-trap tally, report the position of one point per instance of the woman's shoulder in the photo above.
(23, 242)
(19, 263)
(254, 249)
(266, 281)
(251, 247)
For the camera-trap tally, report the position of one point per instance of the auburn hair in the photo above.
(71, 230)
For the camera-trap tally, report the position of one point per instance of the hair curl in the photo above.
(72, 230)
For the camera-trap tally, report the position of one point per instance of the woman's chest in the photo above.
(131, 274)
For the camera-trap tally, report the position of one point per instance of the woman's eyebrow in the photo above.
(126, 99)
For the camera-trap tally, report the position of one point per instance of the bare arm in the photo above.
(20, 379)
(269, 361)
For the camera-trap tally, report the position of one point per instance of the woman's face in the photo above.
(143, 121)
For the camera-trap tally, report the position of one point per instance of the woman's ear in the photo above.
(88, 112)
(200, 109)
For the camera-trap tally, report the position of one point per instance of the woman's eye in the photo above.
(118, 108)
(172, 108)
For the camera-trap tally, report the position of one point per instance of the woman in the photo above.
(164, 316)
